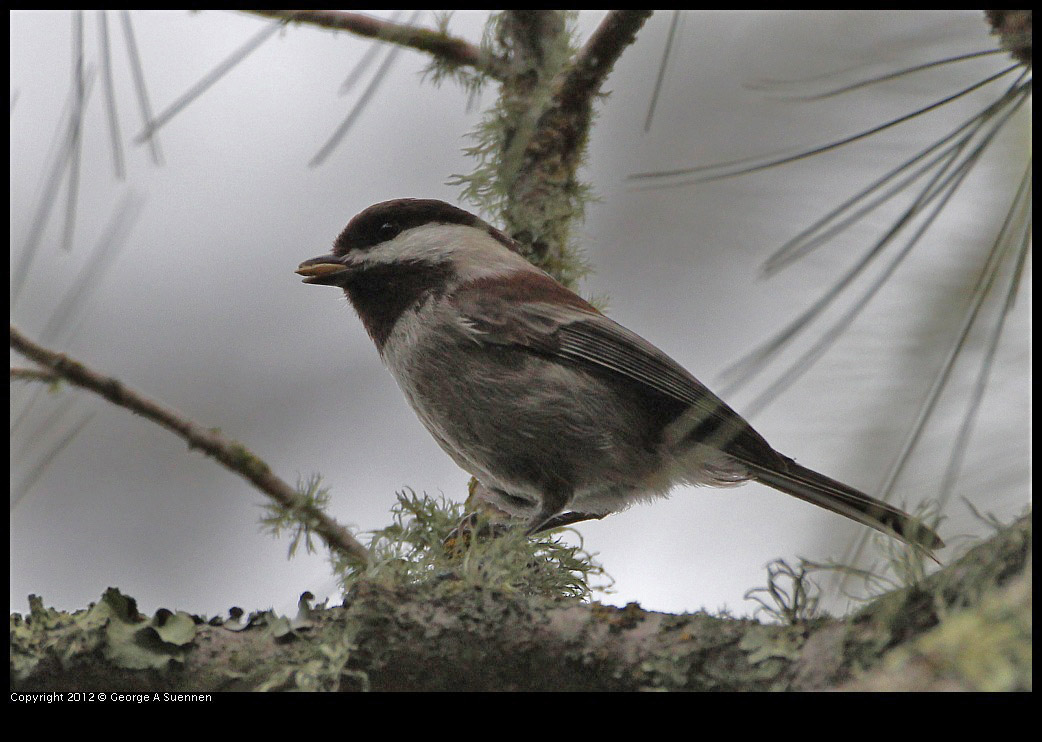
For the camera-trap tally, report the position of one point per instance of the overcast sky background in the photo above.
(201, 309)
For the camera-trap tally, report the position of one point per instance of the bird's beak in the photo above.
(327, 270)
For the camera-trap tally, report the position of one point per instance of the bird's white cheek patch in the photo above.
(472, 252)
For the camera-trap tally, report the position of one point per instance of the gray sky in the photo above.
(202, 311)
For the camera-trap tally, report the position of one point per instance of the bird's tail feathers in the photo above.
(825, 492)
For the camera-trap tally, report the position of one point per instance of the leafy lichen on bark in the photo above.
(967, 626)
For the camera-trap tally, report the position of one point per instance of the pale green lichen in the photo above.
(985, 647)
(113, 627)
(790, 596)
(548, 208)
(416, 550)
(298, 520)
(439, 69)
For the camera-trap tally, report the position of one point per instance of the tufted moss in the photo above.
(424, 546)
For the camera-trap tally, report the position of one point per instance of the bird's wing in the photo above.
(579, 334)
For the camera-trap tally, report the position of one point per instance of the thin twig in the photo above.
(447, 48)
(231, 453)
(33, 374)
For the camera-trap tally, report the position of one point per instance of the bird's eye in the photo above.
(388, 230)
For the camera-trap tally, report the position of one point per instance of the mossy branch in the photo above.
(446, 48)
(547, 188)
(967, 627)
(532, 142)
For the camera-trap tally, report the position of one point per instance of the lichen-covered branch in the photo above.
(231, 453)
(447, 48)
(531, 144)
(547, 190)
(597, 58)
(968, 627)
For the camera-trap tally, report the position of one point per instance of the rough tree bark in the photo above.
(966, 627)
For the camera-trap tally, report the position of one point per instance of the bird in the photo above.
(560, 413)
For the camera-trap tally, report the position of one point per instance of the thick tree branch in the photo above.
(966, 627)
(447, 48)
(547, 178)
(231, 453)
(564, 125)
(532, 35)
(597, 58)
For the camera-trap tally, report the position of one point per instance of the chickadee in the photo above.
(560, 413)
